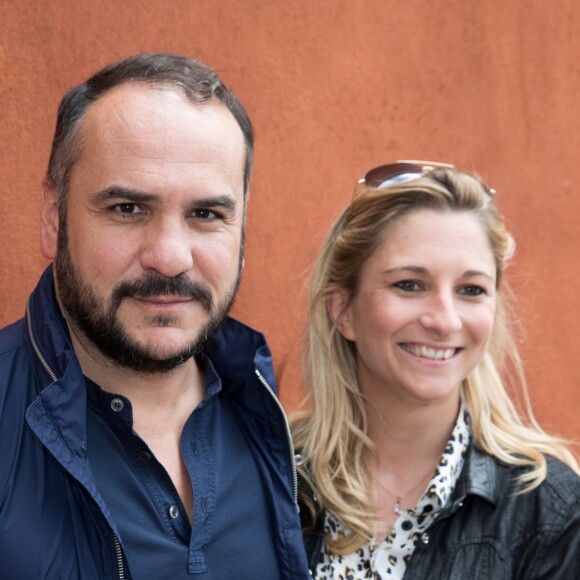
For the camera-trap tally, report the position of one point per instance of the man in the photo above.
(140, 434)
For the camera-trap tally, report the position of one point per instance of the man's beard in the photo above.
(99, 321)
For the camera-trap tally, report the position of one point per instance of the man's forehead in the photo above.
(150, 130)
(144, 117)
(143, 104)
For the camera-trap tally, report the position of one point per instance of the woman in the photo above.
(415, 462)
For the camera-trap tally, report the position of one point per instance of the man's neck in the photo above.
(161, 403)
(166, 398)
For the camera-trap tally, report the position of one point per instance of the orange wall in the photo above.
(335, 87)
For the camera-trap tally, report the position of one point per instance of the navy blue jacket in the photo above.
(53, 521)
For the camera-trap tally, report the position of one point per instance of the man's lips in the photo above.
(162, 301)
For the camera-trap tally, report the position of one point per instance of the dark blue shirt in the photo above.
(231, 510)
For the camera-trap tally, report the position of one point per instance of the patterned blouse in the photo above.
(388, 560)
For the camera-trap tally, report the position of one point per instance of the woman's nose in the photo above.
(441, 315)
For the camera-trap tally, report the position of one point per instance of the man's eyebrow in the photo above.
(224, 201)
(124, 193)
(116, 192)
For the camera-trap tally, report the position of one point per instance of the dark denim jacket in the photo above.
(488, 533)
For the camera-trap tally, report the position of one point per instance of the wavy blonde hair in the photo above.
(332, 435)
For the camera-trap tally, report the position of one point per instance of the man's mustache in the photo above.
(153, 284)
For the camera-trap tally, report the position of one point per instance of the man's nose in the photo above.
(441, 315)
(167, 247)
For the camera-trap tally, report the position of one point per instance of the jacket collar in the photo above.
(479, 477)
(235, 352)
(48, 330)
(50, 333)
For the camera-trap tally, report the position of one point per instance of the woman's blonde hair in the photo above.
(332, 436)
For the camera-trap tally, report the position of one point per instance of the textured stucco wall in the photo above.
(335, 87)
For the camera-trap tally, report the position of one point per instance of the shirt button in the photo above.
(173, 512)
(117, 405)
(425, 538)
(144, 455)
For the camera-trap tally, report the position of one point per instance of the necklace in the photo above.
(399, 498)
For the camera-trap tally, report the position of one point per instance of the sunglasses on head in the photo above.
(402, 172)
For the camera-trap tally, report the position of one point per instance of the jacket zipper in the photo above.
(52, 375)
(41, 358)
(288, 435)
(119, 555)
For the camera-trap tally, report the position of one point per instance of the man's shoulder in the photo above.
(17, 373)
(14, 356)
(12, 337)
(235, 346)
(233, 329)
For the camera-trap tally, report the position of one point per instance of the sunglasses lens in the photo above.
(404, 171)
(391, 174)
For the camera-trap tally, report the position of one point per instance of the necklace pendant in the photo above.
(397, 507)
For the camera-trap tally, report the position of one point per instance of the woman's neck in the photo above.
(407, 434)
(409, 441)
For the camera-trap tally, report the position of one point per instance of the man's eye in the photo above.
(408, 286)
(128, 208)
(204, 214)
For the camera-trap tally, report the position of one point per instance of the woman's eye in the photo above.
(408, 286)
(472, 290)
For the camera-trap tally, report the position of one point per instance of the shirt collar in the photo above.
(450, 464)
(104, 401)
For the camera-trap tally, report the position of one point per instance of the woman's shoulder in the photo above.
(503, 483)
(562, 482)
(557, 497)
(497, 504)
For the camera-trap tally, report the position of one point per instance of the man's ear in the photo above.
(49, 222)
(339, 309)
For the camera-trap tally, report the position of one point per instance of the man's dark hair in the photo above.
(198, 82)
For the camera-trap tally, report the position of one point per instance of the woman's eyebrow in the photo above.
(424, 271)
(403, 269)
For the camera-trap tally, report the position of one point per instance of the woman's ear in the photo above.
(49, 222)
(338, 305)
